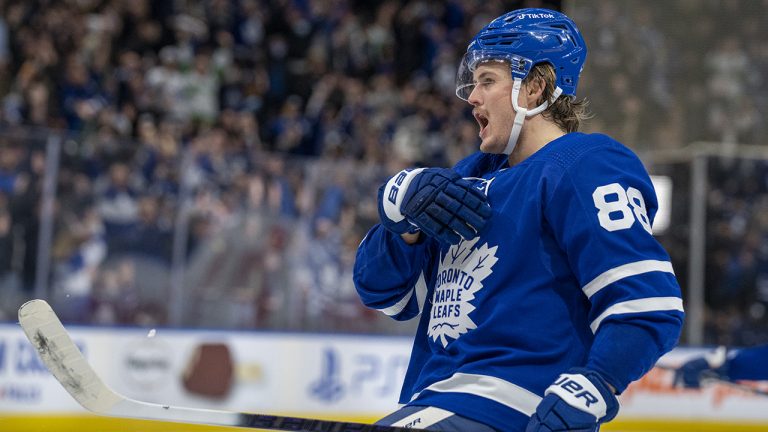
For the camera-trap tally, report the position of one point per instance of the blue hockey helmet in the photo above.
(524, 38)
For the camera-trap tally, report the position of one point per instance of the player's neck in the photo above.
(537, 132)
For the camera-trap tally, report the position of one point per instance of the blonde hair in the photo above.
(566, 112)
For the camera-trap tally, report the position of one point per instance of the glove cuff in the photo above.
(394, 192)
(587, 391)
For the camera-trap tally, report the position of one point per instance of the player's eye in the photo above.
(486, 82)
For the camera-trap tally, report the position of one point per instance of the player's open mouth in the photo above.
(482, 120)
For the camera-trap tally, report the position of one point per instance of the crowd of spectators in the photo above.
(664, 75)
(737, 252)
(236, 145)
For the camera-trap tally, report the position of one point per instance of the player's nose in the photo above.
(474, 97)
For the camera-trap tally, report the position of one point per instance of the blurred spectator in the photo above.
(78, 250)
(117, 201)
(197, 97)
(150, 236)
(6, 241)
(9, 279)
(81, 96)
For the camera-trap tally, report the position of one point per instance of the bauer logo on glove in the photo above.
(395, 188)
(580, 393)
(436, 201)
(578, 401)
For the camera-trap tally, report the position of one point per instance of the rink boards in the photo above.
(312, 375)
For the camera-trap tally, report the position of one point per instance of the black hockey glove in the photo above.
(436, 201)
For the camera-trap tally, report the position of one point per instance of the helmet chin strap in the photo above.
(522, 113)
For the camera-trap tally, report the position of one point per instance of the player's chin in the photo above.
(489, 145)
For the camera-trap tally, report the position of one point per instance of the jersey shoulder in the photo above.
(585, 149)
(600, 173)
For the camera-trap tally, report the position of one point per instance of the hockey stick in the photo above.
(708, 378)
(68, 365)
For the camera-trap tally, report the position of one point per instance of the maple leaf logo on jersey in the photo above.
(459, 277)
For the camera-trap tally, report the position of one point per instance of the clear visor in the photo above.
(465, 77)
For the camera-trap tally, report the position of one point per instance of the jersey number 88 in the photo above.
(625, 206)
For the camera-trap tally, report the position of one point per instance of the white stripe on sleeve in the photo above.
(640, 305)
(624, 271)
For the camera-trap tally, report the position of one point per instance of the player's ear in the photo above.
(535, 91)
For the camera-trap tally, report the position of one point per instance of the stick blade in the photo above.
(62, 357)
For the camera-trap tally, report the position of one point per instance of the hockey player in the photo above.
(542, 291)
(730, 365)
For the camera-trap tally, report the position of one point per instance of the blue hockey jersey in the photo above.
(566, 273)
(747, 364)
